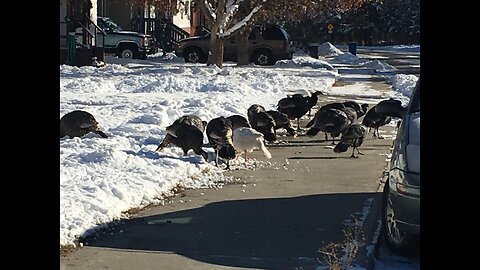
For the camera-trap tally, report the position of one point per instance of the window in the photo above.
(272, 33)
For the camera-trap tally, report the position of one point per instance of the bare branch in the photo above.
(210, 12)
(241, 23)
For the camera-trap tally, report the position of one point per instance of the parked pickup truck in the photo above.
(125, 44)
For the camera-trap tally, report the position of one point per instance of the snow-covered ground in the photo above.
(392, 48)
(134, 101)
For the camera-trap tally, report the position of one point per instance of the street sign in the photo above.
(330, 28)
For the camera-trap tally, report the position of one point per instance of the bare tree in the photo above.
(223, 21)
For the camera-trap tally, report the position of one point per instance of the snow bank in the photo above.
(347, 58)
(327, 49)
(403, 83)
(379, 66)
(134, 101)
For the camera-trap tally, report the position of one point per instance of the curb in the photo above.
(371, 227)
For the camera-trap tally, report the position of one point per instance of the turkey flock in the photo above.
(236, 135)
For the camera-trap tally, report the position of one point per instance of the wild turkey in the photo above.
(281, 121)
(305, 93)
(353, 136)
(349, 112)
(187, 133)
(296, 106)
(247, 139)
(238, 121)
(334, 105)
(190, 120)
(254, 109)
(331, 121)
(360, 109)
(262, 122)
(374, 120)
(219, 134)
(391, 107)
(78, 123)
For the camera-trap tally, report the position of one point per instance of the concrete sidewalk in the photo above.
(276, 216)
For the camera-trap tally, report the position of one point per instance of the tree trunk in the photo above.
(211, 51)
(217, 53)
(215, 56)
(242, 52)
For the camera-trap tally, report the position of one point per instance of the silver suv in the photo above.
(126, 44)
(401, 195)
(266, 45)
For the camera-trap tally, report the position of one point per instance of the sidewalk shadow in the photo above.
(276, 233)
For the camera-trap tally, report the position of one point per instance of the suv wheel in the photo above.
(193, 55)
(263, 58)
(399, 241)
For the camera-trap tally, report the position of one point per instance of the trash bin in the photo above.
(313, 51)
(352, 48)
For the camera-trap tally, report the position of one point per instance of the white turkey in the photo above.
(247, 139)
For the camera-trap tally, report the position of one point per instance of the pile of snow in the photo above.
(134, 102)
(347, 58)
(303, 60)
(403, 83)
(379, 66)
(327, 49)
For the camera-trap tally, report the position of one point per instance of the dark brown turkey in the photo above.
(78, 123)
(187, 133)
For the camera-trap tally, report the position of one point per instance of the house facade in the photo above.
(78, 32)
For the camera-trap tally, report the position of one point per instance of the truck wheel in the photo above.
(127, 52)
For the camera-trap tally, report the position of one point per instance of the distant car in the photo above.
(266, 45)
(125, 44)
(401, 195)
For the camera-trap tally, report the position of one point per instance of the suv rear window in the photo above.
(272, 33)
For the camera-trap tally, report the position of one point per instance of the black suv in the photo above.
(266, 45)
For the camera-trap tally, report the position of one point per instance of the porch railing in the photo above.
(166, 34)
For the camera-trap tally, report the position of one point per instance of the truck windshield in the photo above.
(107, 23)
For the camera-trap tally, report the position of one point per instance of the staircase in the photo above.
(167, 34)
(78, 47)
